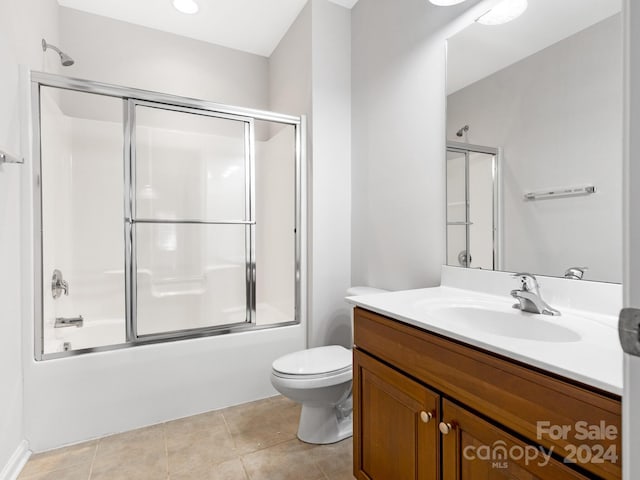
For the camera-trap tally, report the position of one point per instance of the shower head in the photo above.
(462, 131)
(65, 59)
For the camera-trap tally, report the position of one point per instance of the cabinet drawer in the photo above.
(536, 405)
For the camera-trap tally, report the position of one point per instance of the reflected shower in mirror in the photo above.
(544, 91)
(472, 220)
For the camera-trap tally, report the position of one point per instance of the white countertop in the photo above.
(594, 359)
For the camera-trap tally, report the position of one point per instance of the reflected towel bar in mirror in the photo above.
(560, 192)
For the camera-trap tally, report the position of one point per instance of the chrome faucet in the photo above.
(529, 299)
(69, 322)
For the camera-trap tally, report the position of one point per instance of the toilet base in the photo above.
(324, 424)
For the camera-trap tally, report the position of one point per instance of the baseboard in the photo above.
(16, 463)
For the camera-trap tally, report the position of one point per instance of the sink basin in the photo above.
(503, 321)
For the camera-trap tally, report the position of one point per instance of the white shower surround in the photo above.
(179, 288)
(82, 397)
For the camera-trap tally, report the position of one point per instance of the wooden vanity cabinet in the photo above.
(410, 384)
(396, 423)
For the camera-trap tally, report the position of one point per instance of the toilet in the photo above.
(320, 379)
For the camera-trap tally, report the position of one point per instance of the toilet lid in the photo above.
(314, 361)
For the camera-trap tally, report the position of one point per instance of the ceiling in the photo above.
(480, 50)
(254, 26)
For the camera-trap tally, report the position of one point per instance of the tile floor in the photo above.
(254, 441)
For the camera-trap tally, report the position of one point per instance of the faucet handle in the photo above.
(58, 284)
(524, 278)
(575, 273)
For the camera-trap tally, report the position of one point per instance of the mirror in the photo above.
(534, 141)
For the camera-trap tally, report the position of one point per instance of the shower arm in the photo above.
(46, 45)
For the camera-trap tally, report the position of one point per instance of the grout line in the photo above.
(233, 437)
(95, 454)
(244, 468)
(224, 419)
(166, 448)
(260, 447)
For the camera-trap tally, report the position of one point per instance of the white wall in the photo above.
(558, 117)
(121, 53)
(331, 174)
(290, 69)
(398, 140)
(22, 24)
(310, 73)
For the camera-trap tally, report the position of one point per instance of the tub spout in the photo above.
(69, 322)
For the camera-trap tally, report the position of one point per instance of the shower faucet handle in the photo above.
(58, 284)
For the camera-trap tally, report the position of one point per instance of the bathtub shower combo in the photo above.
(160, 217)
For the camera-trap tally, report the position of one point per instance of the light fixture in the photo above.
(446, 3)
(186, 6)
(504, 12)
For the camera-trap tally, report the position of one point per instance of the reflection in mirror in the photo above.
(472, 219)
(546, 91)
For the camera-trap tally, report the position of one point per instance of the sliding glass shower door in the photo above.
(151, 212)
(189, 220)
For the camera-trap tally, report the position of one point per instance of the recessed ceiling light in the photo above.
(446, 3)
(186, 6)
(504, 12)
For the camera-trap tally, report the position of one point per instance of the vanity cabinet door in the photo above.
(473, 449)
(395, 424)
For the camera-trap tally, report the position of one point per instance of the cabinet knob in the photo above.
(426, 416)
(445, 428)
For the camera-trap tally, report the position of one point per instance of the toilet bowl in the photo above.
(320, 379)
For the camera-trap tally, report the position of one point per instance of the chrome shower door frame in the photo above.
(131, 98)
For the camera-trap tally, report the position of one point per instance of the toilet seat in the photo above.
(334, 373)
(314, 361)
(314, 368)
(304, 382)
